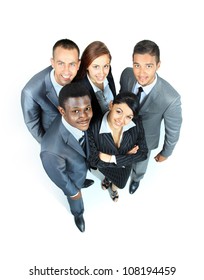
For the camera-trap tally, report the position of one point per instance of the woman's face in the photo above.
(119, 115)
(99, 68)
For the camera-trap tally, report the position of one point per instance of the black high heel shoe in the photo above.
(114, 195)
(106, 183)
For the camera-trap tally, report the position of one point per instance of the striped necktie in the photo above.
(82, 143)
(81, 140)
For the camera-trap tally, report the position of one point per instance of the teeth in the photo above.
(66, 76)
(100, 78)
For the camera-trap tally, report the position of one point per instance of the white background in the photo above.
(162, 223)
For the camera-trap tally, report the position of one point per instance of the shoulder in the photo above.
(52, 135)
(138, 122)
(127, 76)
(39, 77)
(166, 87)
(96, 123)
(85, 82)
(36, 85)
(110, 75)
(128, 71)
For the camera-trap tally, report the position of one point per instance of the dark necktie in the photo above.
(82, 143)
(81, 140)
(140, 90)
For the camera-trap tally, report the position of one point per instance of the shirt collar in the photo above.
(105, 128)
(56, 86)
(77, 133)
(147, 88)
(95, 88)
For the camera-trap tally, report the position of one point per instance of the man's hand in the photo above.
(159, 158)
(77, 196)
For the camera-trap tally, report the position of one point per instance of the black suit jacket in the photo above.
(117, 173)
(97, 112)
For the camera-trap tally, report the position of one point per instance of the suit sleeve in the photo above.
(172, 123)
(122, 160)
(142, 152)
(55, 167)
(94, 160)
(32, 115)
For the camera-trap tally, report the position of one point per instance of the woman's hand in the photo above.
(133, 150)
(104, 157)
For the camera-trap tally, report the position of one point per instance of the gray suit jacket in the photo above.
(162, 103)
(39, 103)
(63, 158)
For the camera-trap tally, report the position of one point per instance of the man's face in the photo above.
(144, 68)
(66, 64)
(78, 112)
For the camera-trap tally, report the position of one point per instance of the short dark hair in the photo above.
(128, 98)
(66, 44)
(72, 90)
(147, 46)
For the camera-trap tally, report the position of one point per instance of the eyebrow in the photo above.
(65, 62)
(131, 115)
(145, 63)
(77, 107)
(102, 65)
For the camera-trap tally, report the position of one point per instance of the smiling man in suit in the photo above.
(63, 157)
(159, 101)
(39, 97)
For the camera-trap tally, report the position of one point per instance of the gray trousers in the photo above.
(139, 169)
(76, 206)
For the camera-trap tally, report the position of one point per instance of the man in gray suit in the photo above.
(63, 157)
(159, 101)
(39, 97)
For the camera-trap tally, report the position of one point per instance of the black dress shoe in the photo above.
(88, 183)
(79, 221)
(133, 186)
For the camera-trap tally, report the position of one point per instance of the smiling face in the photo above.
(99, 68)
(119, 115)
(144, 68)
(77, 112)
(66, 64)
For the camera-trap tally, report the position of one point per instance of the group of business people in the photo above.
(72, 109)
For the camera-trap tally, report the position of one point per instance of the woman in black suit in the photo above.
(95, 74)
(116, 141)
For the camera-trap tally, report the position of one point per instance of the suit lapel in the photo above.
(90, 89)
(125, 139)
(111, 83)
(87, 149)
(109, 142)
(152, 98)
(70, 140)
(51, 93)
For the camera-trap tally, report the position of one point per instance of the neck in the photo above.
(97, 85)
